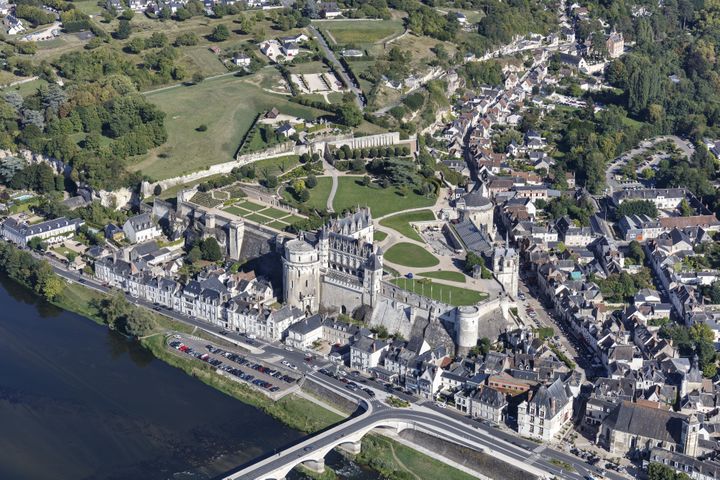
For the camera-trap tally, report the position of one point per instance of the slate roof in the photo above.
(648, 422)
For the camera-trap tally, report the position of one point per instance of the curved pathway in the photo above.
(334, 174)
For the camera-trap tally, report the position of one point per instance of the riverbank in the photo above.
(393, 460)
(298, 413)
(306, 413)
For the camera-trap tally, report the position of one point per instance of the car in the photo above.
(289, 349)
(441, 405)
(369, 392)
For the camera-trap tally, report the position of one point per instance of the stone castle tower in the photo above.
(301, 275)
(372, 277)
(506, 268)
(466, 328)
(236, 233)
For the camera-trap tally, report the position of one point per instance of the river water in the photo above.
(80, 402)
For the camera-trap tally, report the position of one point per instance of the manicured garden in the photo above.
(382, 201)
(268, 216)
(410, 255)
(444, 275)
(451, 295)
(401, 222)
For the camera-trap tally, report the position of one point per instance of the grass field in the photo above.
(379, 235)
(318, 195)
(456, 296)
(275, 166)
(227, 106)
(360, 32)
(444, 275)
(401, 222)
(382, 201)
(410, 255)
(396, 457)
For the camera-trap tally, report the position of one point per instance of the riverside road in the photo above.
(446, 423)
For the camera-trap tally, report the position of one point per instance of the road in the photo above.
(355, 89)
(477, 434)
(455, 428)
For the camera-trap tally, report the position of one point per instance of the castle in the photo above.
(336, 269)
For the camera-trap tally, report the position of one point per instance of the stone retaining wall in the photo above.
(478, 461)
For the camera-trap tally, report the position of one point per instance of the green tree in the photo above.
(349, 114)
(211, 250)
(220, 33)
(636, 252)
(197, 78)
(139, 323)
(311, 181)
(124, 30)
(194, 255)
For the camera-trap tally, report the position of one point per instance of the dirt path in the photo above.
(402, 465)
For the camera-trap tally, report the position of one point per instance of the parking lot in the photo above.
(273, 381)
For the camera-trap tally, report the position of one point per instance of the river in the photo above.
(78, 401)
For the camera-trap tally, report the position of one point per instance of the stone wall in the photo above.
(483, 463)
(287, 148)
(334, 297)
(329, 396)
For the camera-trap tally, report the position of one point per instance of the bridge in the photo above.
(376, 415)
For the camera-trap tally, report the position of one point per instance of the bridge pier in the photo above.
(353, 448)
(317, 466)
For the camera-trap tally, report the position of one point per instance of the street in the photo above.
(355, 89)
(475, 433)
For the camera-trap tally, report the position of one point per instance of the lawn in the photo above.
(275, 166)
(360, 32)
(227, 106)
(257, 218)
(277, 225)
(396, 457)
(237, 211)
(318, 195)
(248, 205)
(444, 275)
(379, 235)
(200, 58)
(274, 213)
(410, 255)
(382, 201)
(456, 296)
(401, 222)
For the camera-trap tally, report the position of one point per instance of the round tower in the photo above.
(466, 327)
(301, 275)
